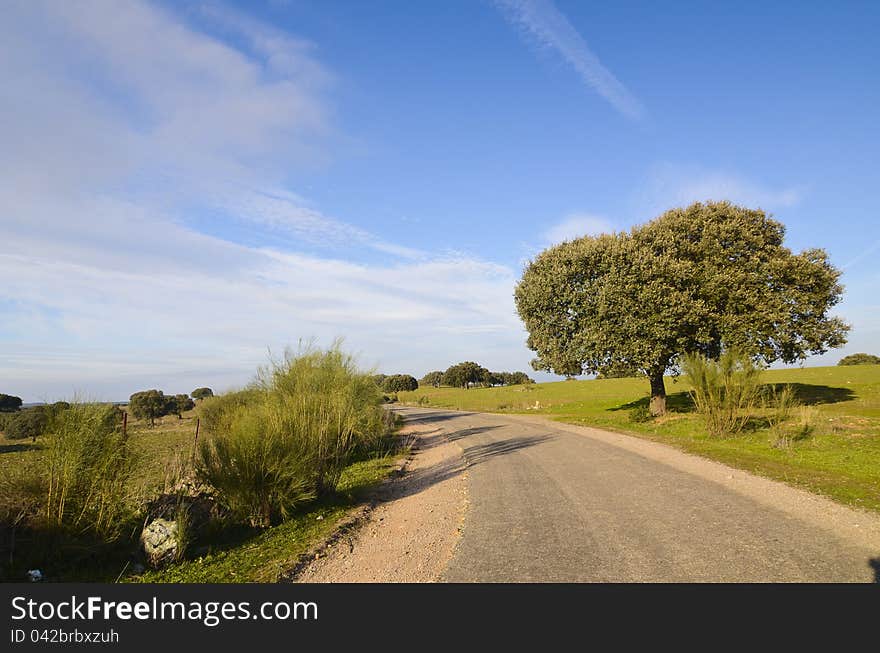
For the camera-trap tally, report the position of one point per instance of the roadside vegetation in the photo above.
(824, 435)
(243, 481)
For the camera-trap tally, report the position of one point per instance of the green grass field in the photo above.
(840, 459)
(243, 555)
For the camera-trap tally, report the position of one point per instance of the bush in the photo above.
(860, 359)
(288, 437)
(780, 407)
(640, 414)
(28, 423)
(216, 412)
(86, 467)
(725, 391)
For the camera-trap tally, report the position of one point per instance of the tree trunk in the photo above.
(658, 393)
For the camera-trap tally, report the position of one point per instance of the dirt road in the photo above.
(554, 502)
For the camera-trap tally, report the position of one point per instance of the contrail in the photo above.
(542, 20)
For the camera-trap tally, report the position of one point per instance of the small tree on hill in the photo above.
(179, 404)
(202, 393)
(9, 403)
(465, 374)
(433, 379)
(148, 404)
(400, 383)
(860, 359)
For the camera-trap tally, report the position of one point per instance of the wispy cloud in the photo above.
(140, 155)
(576, 225)
(669, 185)
(545, 24)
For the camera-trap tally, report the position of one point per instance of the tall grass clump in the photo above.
(726, 391)
(287, 438)
(87, 465)
(788, 419)
(70, 497)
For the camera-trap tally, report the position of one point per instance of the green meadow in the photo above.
(838, 455)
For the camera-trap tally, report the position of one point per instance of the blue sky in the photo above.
(187, 186)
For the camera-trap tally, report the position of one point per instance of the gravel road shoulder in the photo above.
(411, 532)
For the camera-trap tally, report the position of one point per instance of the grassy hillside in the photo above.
(841, 458)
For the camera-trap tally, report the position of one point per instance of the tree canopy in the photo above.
(701, 279)
(399, 383)
(433, 379)
(466, 374)
(202, 393)
(9, 403)
(148, 404)
(178, 404)
(859, 359)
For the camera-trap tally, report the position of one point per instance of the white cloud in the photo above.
(543, 22)
(576, 225)
(134, 146)
(671, 185)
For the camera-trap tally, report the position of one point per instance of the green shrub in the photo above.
(28, 423)
(288, 437)
(259, 473)
(85, 469)
(788, 420)
(216, 412)
(640, 414)
(725, 392)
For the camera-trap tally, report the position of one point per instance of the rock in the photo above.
(35, 575)
(159, 541)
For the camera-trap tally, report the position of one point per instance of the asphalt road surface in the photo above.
(558, 503)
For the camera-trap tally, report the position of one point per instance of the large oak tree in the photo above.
(696, 279)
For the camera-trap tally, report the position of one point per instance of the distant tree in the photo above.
(178, 404)
(433, 379)
(148, 404)
(28, 423)
(400, 383)
(466, 374)
(702, 279)
(860, 359)
(379, 379)
(9, 403)
(519, 378)
(202, 393)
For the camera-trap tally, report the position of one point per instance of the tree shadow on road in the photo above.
(483, 452)
(429, 418)
(463, 433)
(415, 481)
